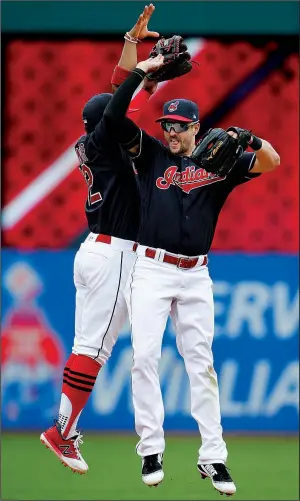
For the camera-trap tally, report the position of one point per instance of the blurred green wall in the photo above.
(186, 17)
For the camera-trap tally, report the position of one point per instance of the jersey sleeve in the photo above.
(241, 173)
(100, 143)
(105, 136)
(148, 149)
(100, 135)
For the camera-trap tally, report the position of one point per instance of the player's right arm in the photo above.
(127, 63)
(128, 59)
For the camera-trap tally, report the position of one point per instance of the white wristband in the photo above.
(130, 39)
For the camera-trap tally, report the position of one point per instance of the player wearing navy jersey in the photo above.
(103, 262)
(180, 207)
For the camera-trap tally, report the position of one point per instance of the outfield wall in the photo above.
(256, 347)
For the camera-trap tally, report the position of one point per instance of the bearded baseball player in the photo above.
(183, 189)
(103, 261)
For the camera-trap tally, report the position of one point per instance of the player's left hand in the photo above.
(140, 29)
(151, 64)
(219, 150)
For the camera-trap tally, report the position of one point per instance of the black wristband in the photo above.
(139, 72)
(256, 143)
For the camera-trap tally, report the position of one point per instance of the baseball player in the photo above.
(181, 202)
(103, 261)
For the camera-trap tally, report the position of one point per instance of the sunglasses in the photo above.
(176, 126)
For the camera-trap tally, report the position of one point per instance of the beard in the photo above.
(177, 148)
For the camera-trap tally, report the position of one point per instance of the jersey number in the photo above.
(89, 179)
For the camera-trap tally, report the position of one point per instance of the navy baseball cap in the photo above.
(93, 110)
(180, 110)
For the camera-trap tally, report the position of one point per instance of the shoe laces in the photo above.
(78, 441)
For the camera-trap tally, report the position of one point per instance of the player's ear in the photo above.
(196, 128)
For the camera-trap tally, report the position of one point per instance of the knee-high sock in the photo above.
(80, 375)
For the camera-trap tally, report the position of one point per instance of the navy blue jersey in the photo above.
(180, 202)
(112, 205)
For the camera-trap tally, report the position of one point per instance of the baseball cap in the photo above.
(181, 110)
(93, 110)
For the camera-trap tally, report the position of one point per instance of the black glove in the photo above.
(246, 137)
(176, 59)
(218, 152)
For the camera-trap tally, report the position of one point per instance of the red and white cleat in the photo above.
(67, 450)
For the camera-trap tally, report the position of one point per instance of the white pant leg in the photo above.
(149, 296)
(100, 275)
(193, 318)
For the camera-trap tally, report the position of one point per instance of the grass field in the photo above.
(262, 467)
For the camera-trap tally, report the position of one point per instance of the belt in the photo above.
(107, 239)
(180, 262)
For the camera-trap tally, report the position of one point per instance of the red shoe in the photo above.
(66, 450)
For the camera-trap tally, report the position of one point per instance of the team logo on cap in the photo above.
(173, 106)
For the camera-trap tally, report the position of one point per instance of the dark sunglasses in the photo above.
(176, 126)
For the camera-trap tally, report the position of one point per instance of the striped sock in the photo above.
(69, 363)
(80, 375)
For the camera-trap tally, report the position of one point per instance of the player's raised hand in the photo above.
(144, 32)
(151, 64)
(140, 29)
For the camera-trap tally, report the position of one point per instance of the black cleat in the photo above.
(152, 472)
(220, 477)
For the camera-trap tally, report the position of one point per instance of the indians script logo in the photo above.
(173, 106)
(187, 180)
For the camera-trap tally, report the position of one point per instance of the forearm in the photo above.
(128, 59)
(117, 107)
(121, 128)
(267, 159)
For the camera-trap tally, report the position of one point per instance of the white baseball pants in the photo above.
(100, 274)
(153, 291)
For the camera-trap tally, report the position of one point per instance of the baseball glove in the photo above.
(218, 152)
(176, 59)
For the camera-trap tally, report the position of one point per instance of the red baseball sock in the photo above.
(80, 375)
(68, 366)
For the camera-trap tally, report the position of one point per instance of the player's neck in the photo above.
(189, 152)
